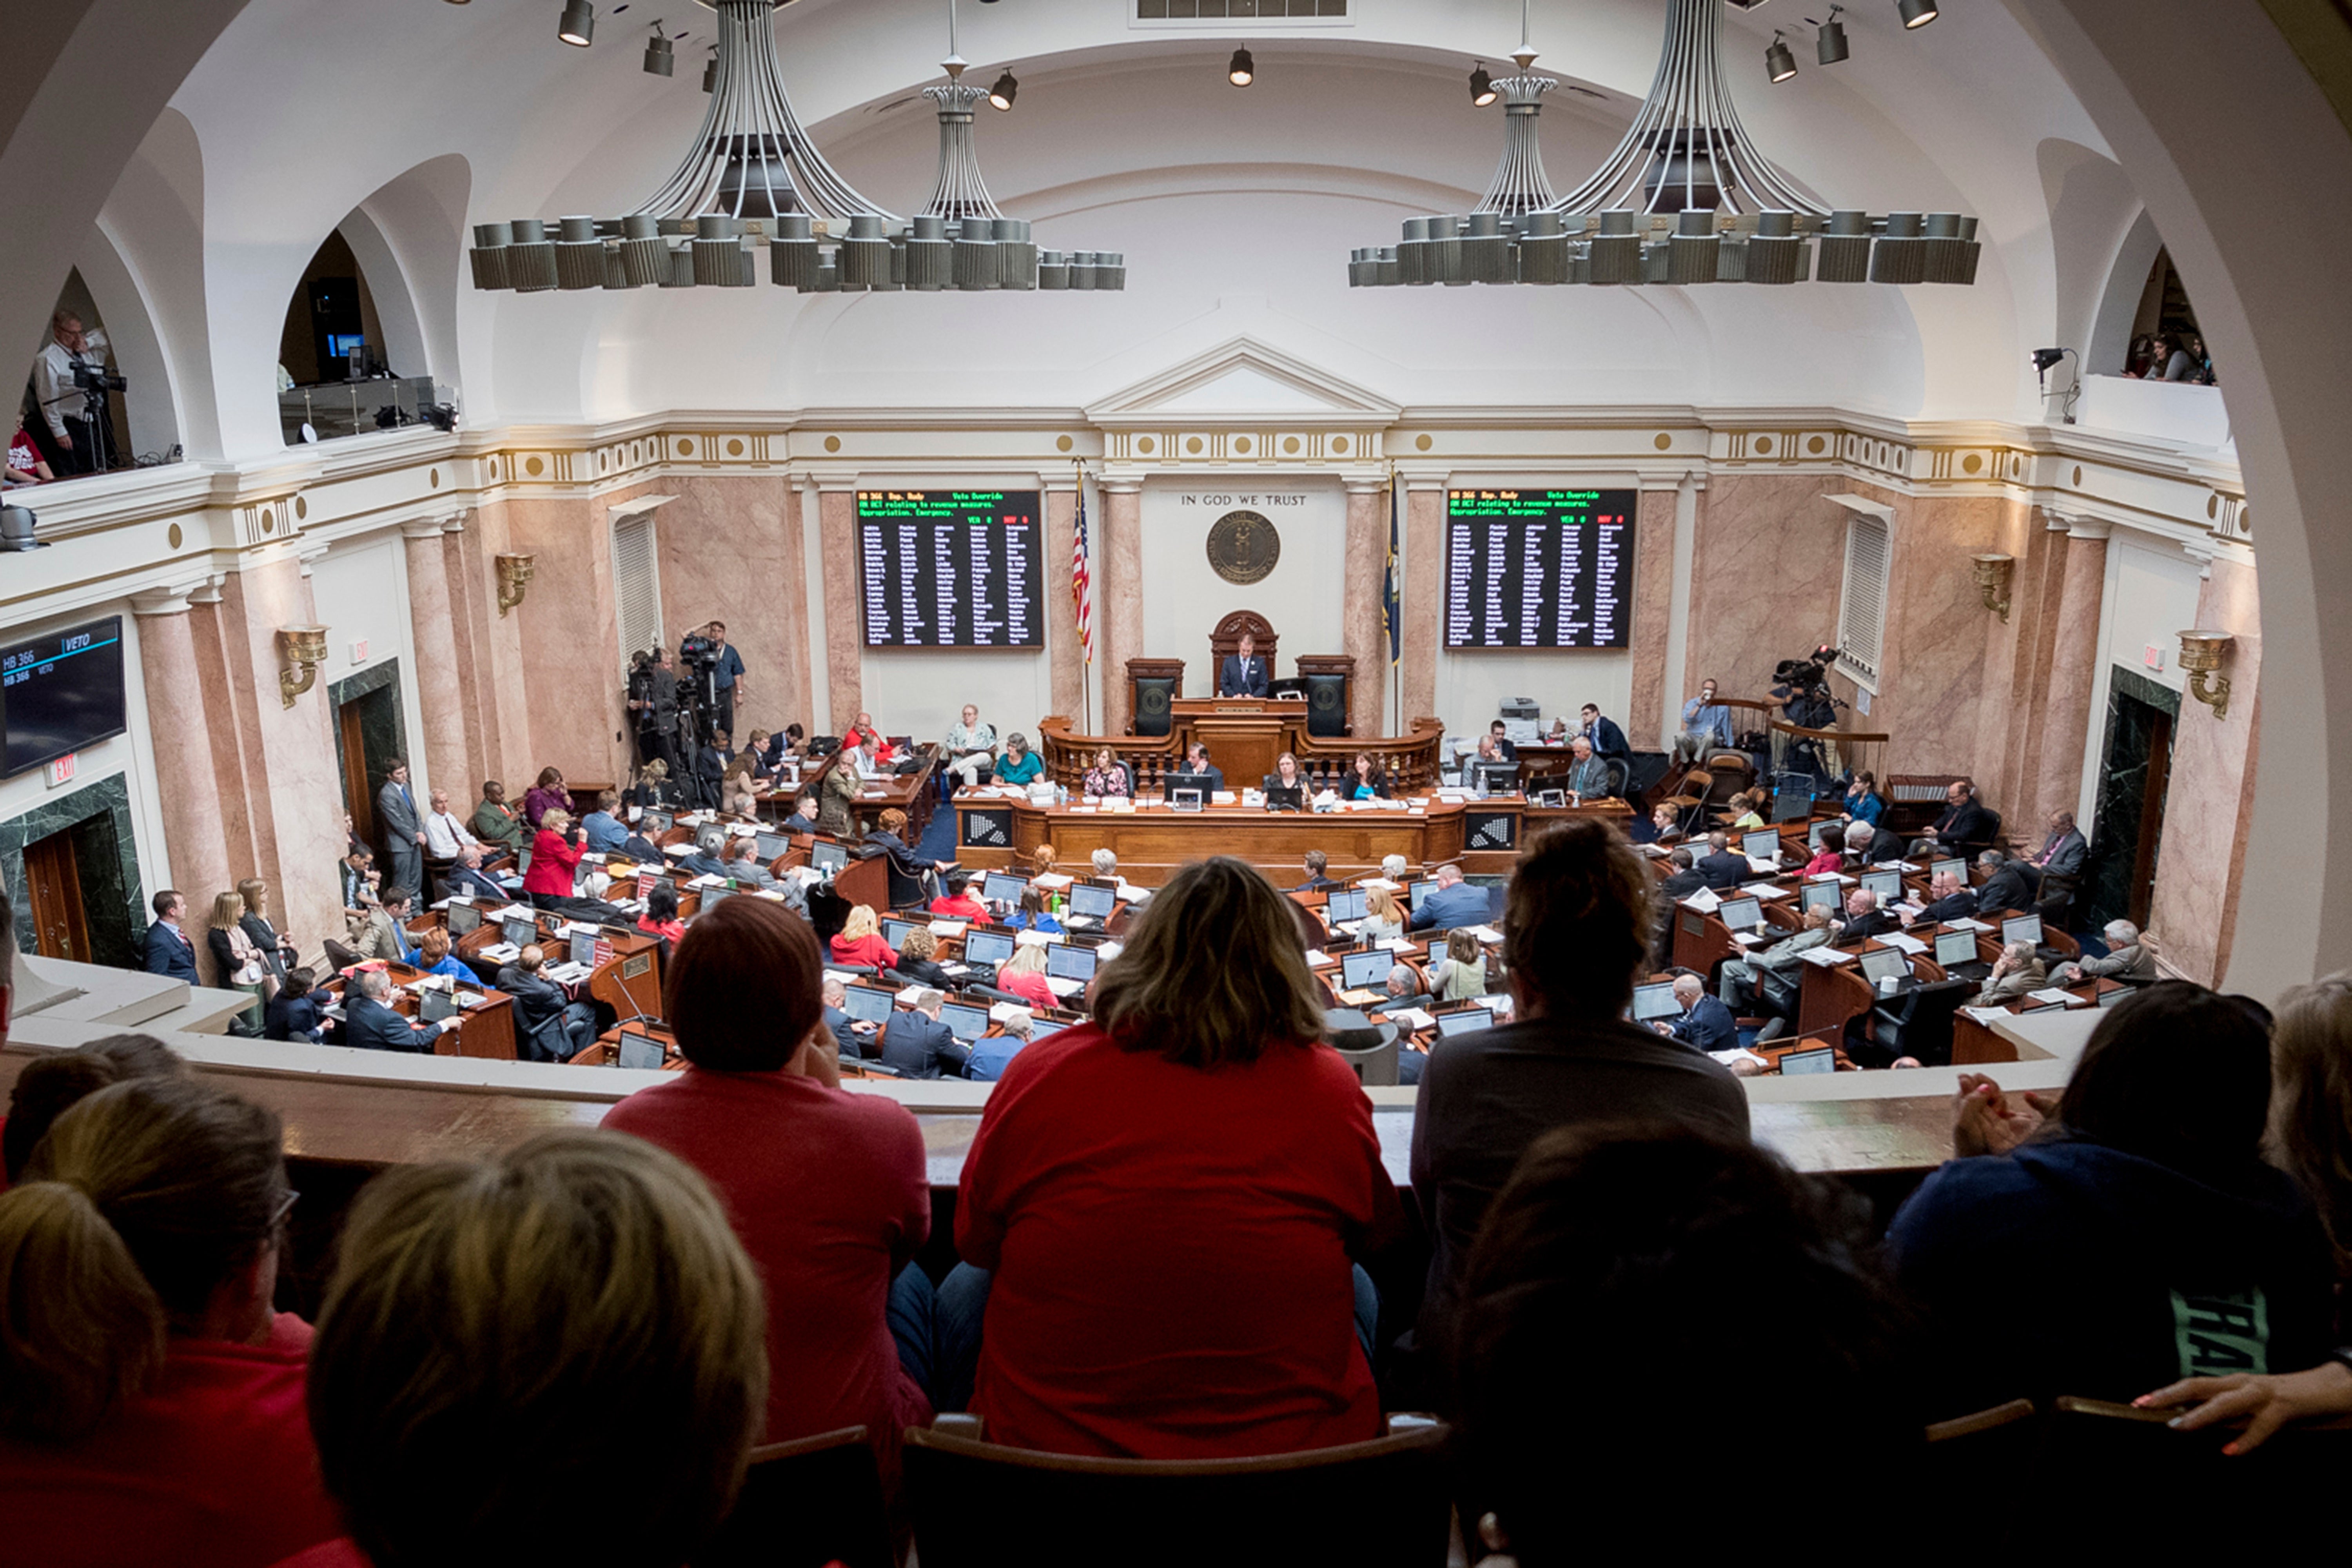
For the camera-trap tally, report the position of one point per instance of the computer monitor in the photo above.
(1345, 904)
(1184, 778)
(965, 1023)
(655, 822)
(770, 847)
(1888, 885)
(987, 947)
(1467, 1021)
(1820, 896)
(1762, 845)
(1953, 868)
(1419, 892)
(1095, 903)
(1655, 1000)
(828, 858)
(710, 897)
(1003, 887)
(1064, 962)
(866, 1004)
(435, 1005)
(1366, 971)
(583, 949)
(896, 931)
(1956, 947)
(642, 1052)
(1791, 805)
(463, 919)
(1285, 797)
(1813, 836)
(1883, 963)
(2021, 928)
(1041, 1027)
(1821, 1060)
(1551, 799)
(1742, 914)
(1497, 778)
(520, 931)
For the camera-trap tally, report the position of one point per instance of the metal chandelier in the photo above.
(752, 179)
(1686, 198)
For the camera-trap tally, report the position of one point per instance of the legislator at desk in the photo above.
(1243, 673)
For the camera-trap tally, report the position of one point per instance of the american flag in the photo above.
(1081, 586)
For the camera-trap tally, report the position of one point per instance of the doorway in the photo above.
(2135, 766)
(75, 899)
(369, 727)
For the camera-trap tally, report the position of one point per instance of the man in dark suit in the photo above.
(852, 1039)
(404, 829)
(1404, 990)
(1949, 898)
(1684, 879)
(1317, 882)
(1608, 740)
(1863, 918)
(1243, 673)
(706, 861)
(1453, 903)
(1965, 825)
(369, 1023)
(1500, 736)
(169, 952)
(468, 878)
(710, 766)
(1865, 846)
(919, 1044)
(2005, 889)
(1196, 761)
(2061, 853)
(1706, 1023)
(537, 1000)
(1720, 869)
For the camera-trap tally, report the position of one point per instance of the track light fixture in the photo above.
(1832, 46)
(1001, 95)
(661, 59)
(579, 25)
(710, 71)
(1243, 70)
(1915, 13)
(1779, 63)
(1481, 88)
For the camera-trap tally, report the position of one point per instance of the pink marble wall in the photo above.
(448, 761)
(1932, 678)
(2065, 725)
(495, 681)
(569, 633)
(1363, 633)
(1423, 596)
(467, 658)
(1653, 594)
(1119, 598)
(190, 801)
(226, 712)
(1768, 557)
(2208, 803)
(1067, 658)
(844, 635)
(731, 550)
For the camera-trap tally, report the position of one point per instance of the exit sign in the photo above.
(2152, 656)
(62, 770)
(359, 652)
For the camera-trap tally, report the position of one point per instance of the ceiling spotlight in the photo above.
(1001, 95)
(1915, 13)
(661, 59)
(1482, 89)
(1243, 71)
(1779, 63)
(1831, 48)
(578, 24)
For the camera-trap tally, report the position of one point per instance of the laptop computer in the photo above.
(2021, 928)
(1820, 896)
(1064, 962)
(989, 947)
(1888, 885)
(642, 1052)
(1956, 867)
(897, 931)
(1041, 1027)
(1742, 914)
(1003, 887)
(771, 845)
(1813, 836)
(1366, 971)
(967, 1024)
(1285, 797)
(1469, 1020)
(1345, 904)
(1762, 845)
(1092, 903)
(463, 919)
(1885, 963)
(1798, 1062)
(866, 1004)
(435, 1005)
(520, 931)
(828, 858)
(1955, 947)
(1419, 892)
(583, 949)
(710, 897)
(1655, 1000)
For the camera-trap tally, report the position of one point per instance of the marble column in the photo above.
(433, 633)
(188, 794)
(2074, 667)
(1655, 518)
(467, 659)
(1065, 658)
(1424, 598)
(1118, 597)
(1363, 633)
(845, 597)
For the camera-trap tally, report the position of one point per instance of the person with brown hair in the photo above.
(549, 794)
(860, 942)
(1577, 922)
(918, 959)
(890, 834)
(276, 948)
(433, 955)
(1461, 975)
(151, 1402)
(53, 1084)
(237, 961)
(500, 1336)
(1201, 1096)
(829, 1191)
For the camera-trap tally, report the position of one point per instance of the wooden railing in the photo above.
(1408, 762)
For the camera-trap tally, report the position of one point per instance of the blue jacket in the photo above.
(292, 1017)
(1608, 740)
(372, 1027)
(922, 1047)
(450, 965)
(1708, 1025)
(1707, 719)
(603, 831)
(170, 953)
(990, 1057)
(1459, 905)
(2072, 1268)
(1234, 680)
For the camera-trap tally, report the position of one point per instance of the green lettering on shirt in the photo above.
(2220, 1334)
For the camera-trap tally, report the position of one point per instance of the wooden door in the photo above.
(60, 928)
(357, 799)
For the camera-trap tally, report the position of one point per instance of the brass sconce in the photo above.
(2201, 654)
(1993, 573)
(515, 572)
(304, 649)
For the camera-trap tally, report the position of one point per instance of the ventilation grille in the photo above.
(1862, 604)
(1224, 10)
(636, 587)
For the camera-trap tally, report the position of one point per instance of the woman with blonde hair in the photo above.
(654, 792)
(1106, 778)
(861, 941)
(1240, 1326)
(555, 856)
(1384, 917)
(1461, 975)
(240, 963)
(277, 949)
(739, 792)
(150, 1401)
(1023, 975)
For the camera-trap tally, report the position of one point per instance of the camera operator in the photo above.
(73, 406)
(1801, 688)
(653, 698)
(726, 676)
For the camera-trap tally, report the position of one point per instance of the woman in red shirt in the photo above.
(1170, 1198)
(861, 941)
(1024, 974)
(960, 904)
(554, 861)
(829, 1191)
(1831, 855)
(151, 1402)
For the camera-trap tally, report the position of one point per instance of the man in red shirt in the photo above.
(25, 464)
(960, 904)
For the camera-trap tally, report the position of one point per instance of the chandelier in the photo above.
(752, 180)
(1686, 198)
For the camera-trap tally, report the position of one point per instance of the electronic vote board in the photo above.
(1539, 568)
(951, 568)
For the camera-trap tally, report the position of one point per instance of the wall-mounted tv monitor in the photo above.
(60, 693)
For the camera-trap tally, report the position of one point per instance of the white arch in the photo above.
(152, 404)
(2110, 339)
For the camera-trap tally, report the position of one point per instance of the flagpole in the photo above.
(1396, 566)
(1085, 652)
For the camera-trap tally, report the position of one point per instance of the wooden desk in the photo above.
(488, 1030)
(1243, 734)
(1975, 1045)
(915, 794)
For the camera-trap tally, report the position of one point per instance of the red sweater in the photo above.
(962, 907)
(870, 951)
(1161, 1293)
(829, 1193)
(1030, 985)
(1824, 863)
(211, 1468)
(553, 862)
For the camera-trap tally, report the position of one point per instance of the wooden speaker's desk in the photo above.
(1243, 734)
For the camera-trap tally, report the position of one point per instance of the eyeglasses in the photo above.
(285, 1207)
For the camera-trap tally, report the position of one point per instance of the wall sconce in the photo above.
(303, 649)
(2201, 654)
(515, 572)
(1993, 573)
